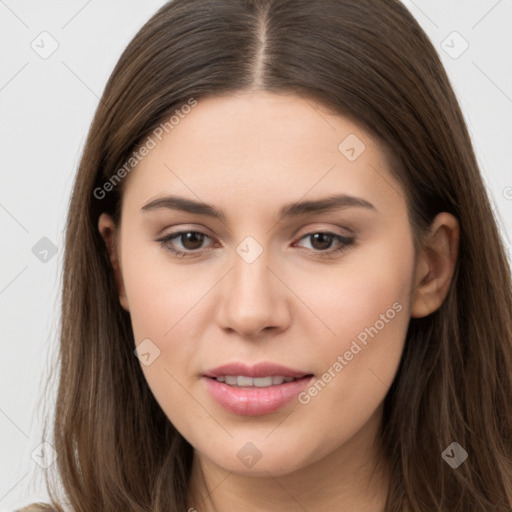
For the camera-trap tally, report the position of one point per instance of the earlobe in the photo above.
(435, 265)
(109, 232)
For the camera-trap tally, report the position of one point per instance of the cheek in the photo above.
(162, 310)
(367, 305)
(374, 280)
(161, 302)
(160, 296)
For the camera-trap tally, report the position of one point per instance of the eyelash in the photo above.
(345, 241)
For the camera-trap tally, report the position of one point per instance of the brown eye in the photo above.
(184, 243)
(321, 241)
(191, 240)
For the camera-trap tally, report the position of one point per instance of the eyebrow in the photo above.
(327, 204)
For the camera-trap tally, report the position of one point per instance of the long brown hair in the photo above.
(368, 60)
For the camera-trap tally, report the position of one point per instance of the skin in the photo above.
(249, 154)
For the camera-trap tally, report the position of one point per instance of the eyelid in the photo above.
(324, 228)
(182, 229)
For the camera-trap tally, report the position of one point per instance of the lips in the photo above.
(255, 390)
(257, 370)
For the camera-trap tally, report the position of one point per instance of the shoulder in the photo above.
(36, 507)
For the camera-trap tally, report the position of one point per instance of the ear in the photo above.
(110, 234)
(435, 265)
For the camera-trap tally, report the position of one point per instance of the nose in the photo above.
(254, 300)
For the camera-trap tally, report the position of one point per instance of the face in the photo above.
(324, 292)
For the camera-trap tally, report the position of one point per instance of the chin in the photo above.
(258, 459)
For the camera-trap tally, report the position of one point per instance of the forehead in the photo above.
(257, 147)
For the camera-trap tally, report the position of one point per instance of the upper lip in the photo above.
(258, 370)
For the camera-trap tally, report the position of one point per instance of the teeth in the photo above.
(244, 381)
(263, 382)
(230, 380)
(258, 382)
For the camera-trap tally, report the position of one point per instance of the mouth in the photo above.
(263, 370)
(243, 381)
(255, 390)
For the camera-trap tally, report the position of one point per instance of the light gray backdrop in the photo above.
(55, 58)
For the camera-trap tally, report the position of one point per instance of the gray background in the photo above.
(46, 106)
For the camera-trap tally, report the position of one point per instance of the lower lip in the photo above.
(255, 401)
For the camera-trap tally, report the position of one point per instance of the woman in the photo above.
(284, 286)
